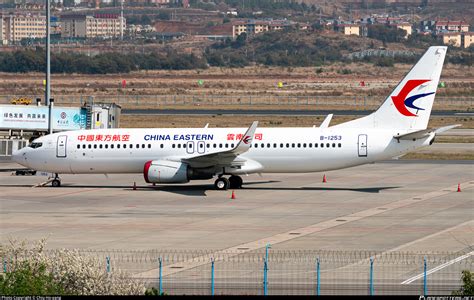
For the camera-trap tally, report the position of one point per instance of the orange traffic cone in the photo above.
(134, 186)
(459, 187)
(233, 195)
(324, 179)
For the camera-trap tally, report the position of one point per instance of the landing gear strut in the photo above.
(56, 181)
(234, 182)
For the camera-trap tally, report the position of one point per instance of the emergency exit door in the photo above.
(362, 145)
(61, 146)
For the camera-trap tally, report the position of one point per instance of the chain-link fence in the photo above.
(289, 272)
(157, 101)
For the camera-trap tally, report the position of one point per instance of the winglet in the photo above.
(325, 123)
(246, 141)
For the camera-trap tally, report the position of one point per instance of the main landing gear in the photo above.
(234, 182)
(56, 182)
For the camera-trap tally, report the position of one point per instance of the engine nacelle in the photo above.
(164, 171)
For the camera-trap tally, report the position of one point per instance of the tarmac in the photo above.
(399, 205)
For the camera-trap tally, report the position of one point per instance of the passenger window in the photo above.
(256, 145)
(78, 146)
(161, 145)
(339, 145)
(287, 145)
(293, 145)
(315, 145)
(112, 146)
(100, 146)
(124, 146)
(310, 145)
(208, 146)
(281, 145)
(95, 146)
(232, 145)
(106, 146)
(322, 145)
(334, 145)
(328, 145)
(268, 145)
(89, 146)
(131, 146)
(214, 146)
(84, 146)
(137, 146)
(220, 145)
(143, 146)
(227, 145)
(262, 145)
(304, 145)
(299, 145)
(275, 145)
(179, 145)
(118, 146)
(149, 146)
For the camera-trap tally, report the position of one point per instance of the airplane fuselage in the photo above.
(273, 150)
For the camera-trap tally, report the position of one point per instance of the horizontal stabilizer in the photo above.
(423, 133)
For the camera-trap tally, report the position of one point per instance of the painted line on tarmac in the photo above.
(304, 231)
(440, 267)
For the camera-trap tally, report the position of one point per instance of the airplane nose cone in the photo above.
(19, 157)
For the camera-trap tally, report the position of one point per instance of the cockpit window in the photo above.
(35, 145)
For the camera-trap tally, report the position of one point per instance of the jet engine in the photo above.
(165, 171)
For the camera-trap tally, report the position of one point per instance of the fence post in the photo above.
(5, 265)
(371, 278)
(265, 271)
(212, 276)
(318, 278)
(425, 288)
(160, 279)
(107, 259)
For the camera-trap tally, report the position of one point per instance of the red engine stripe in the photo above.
(145, 170)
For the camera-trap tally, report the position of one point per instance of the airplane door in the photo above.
(362, 145)
(61, 146)
(201, 147)
(190, 147)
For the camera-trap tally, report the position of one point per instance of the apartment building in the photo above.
(259, 26)
(15, 27)
(98, 25)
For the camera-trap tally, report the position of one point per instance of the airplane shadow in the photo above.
(200, 190)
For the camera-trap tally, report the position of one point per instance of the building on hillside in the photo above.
(442, 26)
(468, 39)
(349, 29)
(15, 27)
(251, 27)
(98, 25)
(452, 38)
(404, 26)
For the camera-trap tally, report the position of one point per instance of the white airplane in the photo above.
(178, 155)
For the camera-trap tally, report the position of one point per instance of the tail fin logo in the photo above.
(246, 139)
(402, 103)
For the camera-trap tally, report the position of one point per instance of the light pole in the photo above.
(48, 68)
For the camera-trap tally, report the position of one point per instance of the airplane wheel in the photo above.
(56, 183)
(222, 183)
(235, 182)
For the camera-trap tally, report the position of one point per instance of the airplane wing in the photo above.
(423, 133)
(227, 157)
